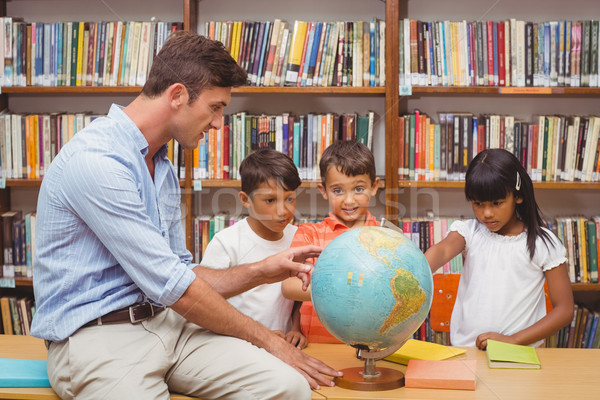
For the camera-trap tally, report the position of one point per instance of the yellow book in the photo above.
(420, 350)
(234, 41)
(297, 47)
(78, 82)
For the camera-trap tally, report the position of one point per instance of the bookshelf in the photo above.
(397, 198)
(446, 198)
(22, 193)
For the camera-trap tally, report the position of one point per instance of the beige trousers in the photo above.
(166, 353)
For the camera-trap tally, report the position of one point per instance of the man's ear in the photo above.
(178, 95)
(245, 199)
(323, 191)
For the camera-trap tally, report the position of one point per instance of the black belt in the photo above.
(133, 314)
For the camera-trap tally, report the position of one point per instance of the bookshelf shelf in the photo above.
(87, 90)
(312, 90)
(234, 183)
(506, 91)
(37, 182)
(585, 287)
(537, 185)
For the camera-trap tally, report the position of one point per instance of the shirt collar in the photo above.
(116, 113)
(335, 224)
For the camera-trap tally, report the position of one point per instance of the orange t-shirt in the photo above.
(320, 234)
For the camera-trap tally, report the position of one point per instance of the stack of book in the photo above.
(499, 53)
(302, 137)
(551, 148)
(77, 53)
(343, 53)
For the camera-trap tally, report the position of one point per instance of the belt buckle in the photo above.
(140, 307)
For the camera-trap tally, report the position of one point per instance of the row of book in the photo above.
(17, 241)
(551, 148)
(302, 137)
(78, 53)
(580, 236)
(16, 314)
(582, 333)
(498, 53)
(29, 142)
(342, 53)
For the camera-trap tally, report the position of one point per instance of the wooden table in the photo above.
(572, 374)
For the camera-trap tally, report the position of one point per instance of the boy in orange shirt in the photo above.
(348, 182)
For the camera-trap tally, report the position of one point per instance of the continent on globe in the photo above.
(372, 286)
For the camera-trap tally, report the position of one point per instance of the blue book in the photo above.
(592, 334)
(23, 373)
(264, 53)
(431, 57)
(546, 54)
(372, 40)
(285, 129)
(59, 54)
(313, 55)
(308, 55)
(296, 146)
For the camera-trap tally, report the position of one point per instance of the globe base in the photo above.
(353, 379)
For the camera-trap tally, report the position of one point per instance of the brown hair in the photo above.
(265, 164)
(194, 61)
(350, 157)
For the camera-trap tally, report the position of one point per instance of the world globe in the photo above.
(372, 286)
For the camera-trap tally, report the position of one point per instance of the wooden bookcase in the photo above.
(400, 198)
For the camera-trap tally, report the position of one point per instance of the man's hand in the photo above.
(315, 371)
(289, 263)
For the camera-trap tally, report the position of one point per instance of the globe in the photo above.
(372, 286)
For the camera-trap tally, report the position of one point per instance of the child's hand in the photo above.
(297, 339)
(482, 339)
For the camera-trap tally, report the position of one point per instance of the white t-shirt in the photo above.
(501, 289)
(237, 245)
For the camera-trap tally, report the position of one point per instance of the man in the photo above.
(110, 253)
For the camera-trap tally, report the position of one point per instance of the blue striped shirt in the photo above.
(107, 235)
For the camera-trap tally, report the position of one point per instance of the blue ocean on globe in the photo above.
(372, 286)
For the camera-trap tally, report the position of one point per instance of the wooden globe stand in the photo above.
(371, 378)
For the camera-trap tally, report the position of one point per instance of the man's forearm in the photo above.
(202, 305)
(230, 281)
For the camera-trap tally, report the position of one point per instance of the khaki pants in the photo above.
(144, 361)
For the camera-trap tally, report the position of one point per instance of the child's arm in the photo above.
(444, 251)
(291, 288)
(295, 336)
(561, 296)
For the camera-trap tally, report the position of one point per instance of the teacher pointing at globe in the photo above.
(110, 255)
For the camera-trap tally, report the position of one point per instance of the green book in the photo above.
(593, 251)
(507, 355)
(362, 129)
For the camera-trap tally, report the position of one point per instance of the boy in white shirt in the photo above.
(269, 182)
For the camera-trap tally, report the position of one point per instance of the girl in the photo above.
(509, 252)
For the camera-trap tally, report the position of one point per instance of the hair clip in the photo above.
(518, 185)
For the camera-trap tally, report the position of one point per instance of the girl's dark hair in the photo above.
(492, 175)
(265, 164)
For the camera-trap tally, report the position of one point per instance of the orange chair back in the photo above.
(445, 287)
